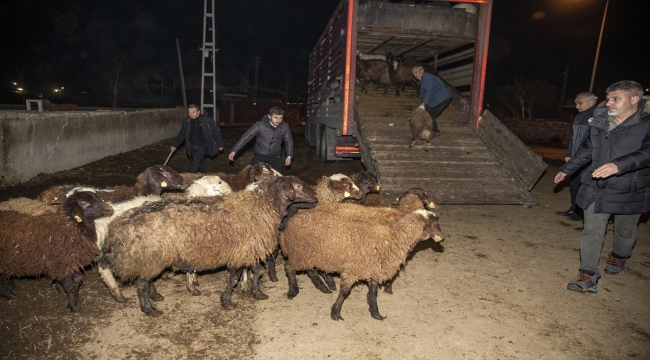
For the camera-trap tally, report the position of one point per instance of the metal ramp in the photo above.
(459, 168)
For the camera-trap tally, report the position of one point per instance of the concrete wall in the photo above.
(541, 131)
(32, 143)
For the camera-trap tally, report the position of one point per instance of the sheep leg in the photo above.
(107, 276)
(329, 280)
(70, 285)
(293, 283)
(144, 292)
(270, 265)
(388, 287)
(243, 281)
(372, 300)
(255, 289)
(313, 275)
(225, 297)
(344, 290)
(153, 294)
(5, 289)
(191, 282)
(425, 146)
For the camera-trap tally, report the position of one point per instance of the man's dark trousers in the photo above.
(435, 111)
(198, 158)
(574, 187)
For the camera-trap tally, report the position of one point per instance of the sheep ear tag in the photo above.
(346, 194)
(432, 205)
(78, 218)
(163, 184)
(378, 188)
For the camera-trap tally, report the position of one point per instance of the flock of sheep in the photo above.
(238, 221)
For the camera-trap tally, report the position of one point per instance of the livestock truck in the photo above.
(477, 160)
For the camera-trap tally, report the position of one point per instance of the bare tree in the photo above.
(518, 96)
(115, 76)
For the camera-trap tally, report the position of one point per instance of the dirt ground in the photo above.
(494, 289)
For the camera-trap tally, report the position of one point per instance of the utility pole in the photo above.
(180, 67)
(563, 92)
(257, 68)
(208, 53)
(600, 39)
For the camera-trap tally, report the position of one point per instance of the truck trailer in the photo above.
(476, 160)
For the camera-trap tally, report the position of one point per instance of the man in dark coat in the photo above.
(269, 132)
(617, 182)
(586, 104)
(201, 136)
(433, 93)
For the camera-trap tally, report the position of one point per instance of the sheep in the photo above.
(239, 231)
(205, 186)
(367, 183)
(152, 181)
(57, 244)
(373, 72)
(368, 250)
(421, 127)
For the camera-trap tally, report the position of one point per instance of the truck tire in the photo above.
(322, 148)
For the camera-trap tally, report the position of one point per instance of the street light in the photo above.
(600, 39)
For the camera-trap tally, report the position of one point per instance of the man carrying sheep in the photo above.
(433, 93)
(617, 182)
(269, 132)
(202, 137)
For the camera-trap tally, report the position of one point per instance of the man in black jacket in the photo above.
(269, 132)
(586, 104)
(201, 136)
(617, 182)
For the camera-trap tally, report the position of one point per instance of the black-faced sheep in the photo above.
(152, 181)
(421, 127)
(238, 232)
(368, 250)
(207, 186)
(57, 244)
(373, 72)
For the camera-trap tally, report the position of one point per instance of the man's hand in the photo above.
(566, 159)
(421, 107)
(173, 149)
(231, 156)
(606, 170)
(287, 161)
(559, 177)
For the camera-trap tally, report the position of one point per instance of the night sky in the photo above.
(69, 43)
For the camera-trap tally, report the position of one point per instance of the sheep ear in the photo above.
(58, 201)
(289, 191)
(77, 212)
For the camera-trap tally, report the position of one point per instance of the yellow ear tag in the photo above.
(76, 217)
(432, 205)
(163, 184)
(56, 198)
(437, 238)
(378, 187)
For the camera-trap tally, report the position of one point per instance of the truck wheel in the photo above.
(322, 148)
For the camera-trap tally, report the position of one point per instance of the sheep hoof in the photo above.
(291, 295)
(59, 288)
(8, 295)
(156, 297)
(154, 312)
(389, 291)
(230, 306)
(195, 292)
(337, 317)
(120, 299)
(378, 316)
(273, 277)
(260, 296)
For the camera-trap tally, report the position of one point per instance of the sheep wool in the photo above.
(421, 127)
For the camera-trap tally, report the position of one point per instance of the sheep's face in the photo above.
(293, 190)
(367, 182)
(262, 171)
(344, 187)
(85, 206)
(164, 177)
(212, 186)
(431, 227)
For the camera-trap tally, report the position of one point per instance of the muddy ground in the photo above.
(494, 289)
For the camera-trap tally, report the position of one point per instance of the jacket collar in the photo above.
(590, 110)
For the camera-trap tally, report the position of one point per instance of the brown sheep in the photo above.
(57, 244)
(373, 72)
(152, 181)
(201, 235)
(421, 127)
(369, 249)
